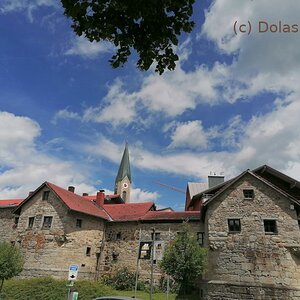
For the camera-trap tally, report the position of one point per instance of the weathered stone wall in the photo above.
(7, 227)
(252, 256)
(222, 290)
(122, 245)
(51, 251)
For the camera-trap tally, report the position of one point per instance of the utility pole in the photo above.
(152, 263)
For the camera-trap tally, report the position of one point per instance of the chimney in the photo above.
(71, 189)
(100, 198)
(214, 180)
(85, 194)
(30, 193)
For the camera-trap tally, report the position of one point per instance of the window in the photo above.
(47, 222)
(78, 223)
(88, 251)
(248, 194)
(270, 226)
(46, 195)
(200, 238)
(118, 236)
(155, 236)
(234, 225)
(30, 222)
(16, 221)
(124, 194)
(299, 223)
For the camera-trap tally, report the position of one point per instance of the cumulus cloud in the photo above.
(24, 167)
(83, 47)
(138, 195)
(118, 107)
(189, 135)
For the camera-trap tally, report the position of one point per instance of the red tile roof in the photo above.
(128, 211)
(10, 202)
(78, 203)
(171, 215)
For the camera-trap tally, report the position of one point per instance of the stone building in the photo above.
(249, 224)
(55, 227)
(252, 232)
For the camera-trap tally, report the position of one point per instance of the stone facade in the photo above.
(7, 225)
(51, 251)
(122, 245)
(252, 257)
(250, 227)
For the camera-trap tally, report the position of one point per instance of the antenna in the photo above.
(170, 187)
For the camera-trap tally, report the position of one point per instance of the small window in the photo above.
(47, 222)
(270, 226)
(30, 222)
(46, 195)
(155, 236)
(16, 221)
(118, 236)
(88, 251)
(78, 223)
(234, 225)
(248, 194)
(124, 195)
(200, 238)
(299, 223)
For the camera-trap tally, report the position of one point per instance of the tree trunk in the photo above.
(1, 286)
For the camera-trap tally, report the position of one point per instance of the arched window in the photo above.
(124, 194)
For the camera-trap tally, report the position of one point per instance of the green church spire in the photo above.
(124, 169)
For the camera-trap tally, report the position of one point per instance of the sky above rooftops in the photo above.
(232, 104)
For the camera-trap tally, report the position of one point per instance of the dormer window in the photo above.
(248, 193)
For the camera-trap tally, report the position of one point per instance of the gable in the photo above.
(265, 197)
(67, 198)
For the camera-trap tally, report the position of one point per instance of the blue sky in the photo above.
(65, 114)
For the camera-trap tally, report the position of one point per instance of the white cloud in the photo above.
(24, 167)
(65, 114)
(138, 195)
(189, 135)
(119, 107)
(28, 6)
(83, 47)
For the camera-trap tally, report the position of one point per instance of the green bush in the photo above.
(123, 280)
(49, 289)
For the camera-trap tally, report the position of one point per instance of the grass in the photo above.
(52, 289)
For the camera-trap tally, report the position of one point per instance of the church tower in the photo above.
(123, 179)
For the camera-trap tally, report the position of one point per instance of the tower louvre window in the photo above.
(124, 195)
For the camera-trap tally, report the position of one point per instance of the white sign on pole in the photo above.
(159, 248)
(73, 271)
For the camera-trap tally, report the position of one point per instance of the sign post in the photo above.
(73, 272)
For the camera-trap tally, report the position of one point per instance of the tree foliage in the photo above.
(11, 262)
(151, 27)
(184, 259)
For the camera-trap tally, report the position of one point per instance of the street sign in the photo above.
(73, 271)
(159, 247)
